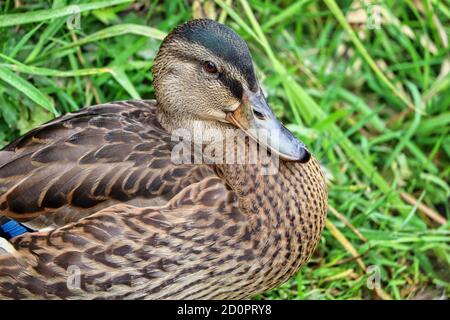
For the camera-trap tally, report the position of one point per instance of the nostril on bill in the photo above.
(258, 114)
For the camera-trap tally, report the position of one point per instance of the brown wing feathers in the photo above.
(83, 162)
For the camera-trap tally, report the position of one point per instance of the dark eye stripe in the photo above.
(232, 84)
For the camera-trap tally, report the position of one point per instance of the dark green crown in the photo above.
(222, 42)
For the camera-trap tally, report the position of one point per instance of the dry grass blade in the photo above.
(351, 249)
(345, 243)
(347, 223)
(343, 275)
(430, 213)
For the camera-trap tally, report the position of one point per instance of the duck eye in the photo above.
(210, 67)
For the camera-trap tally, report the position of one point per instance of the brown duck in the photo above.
(116, 216)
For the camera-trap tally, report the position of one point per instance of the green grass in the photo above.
(372, 103)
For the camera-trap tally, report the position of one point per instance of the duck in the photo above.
(123, 200)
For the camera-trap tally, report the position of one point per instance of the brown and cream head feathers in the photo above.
(204, 76)
(202, 70)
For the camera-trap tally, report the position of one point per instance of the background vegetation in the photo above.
(365, 85)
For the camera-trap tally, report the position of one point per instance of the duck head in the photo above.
(203, 73)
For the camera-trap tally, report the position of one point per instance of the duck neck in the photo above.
(286, 210)
(191, 128)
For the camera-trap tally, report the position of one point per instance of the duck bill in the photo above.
(257, 120)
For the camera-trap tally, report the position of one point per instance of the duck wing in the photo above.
(86, 161)
(126, 252)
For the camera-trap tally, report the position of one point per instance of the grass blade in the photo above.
(118, 30)
(122, 78)
(334, 8)
(27, 89)
(16, 19)
(38, 71)
(114, 31)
